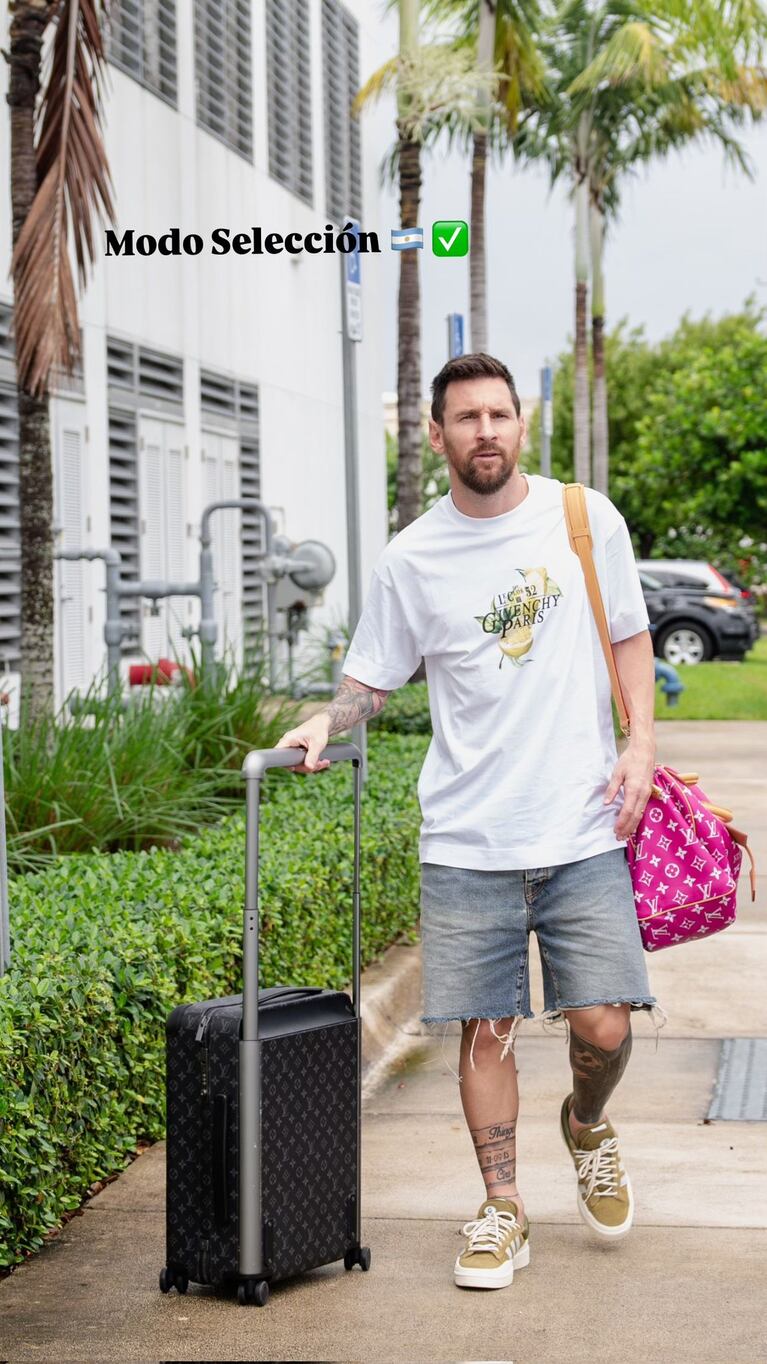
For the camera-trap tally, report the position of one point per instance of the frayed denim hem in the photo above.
(555, 1016)
(507, 1039)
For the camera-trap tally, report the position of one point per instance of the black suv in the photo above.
(690, 623)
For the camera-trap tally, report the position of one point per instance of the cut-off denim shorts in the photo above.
(475, 928)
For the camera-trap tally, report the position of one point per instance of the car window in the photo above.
(649, 583)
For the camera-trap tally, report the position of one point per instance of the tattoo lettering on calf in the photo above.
(496, 1150)
(596, 1073)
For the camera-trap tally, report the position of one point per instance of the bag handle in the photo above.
(579, 534)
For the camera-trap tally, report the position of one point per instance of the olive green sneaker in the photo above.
(605, 1198)
(497, 1245)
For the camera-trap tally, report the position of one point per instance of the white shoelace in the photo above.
(487, 1233)
(599, 1168)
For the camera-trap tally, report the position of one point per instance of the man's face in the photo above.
(481, 435)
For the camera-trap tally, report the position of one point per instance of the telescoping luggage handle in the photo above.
(253, 769)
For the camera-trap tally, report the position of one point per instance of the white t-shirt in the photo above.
(519, 694)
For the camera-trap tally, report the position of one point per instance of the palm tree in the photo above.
(59, 178)
(509, 77)
(436, 87)
(409, 297)
(627, 84)
(636, 125)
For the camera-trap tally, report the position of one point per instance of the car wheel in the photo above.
(685, 643)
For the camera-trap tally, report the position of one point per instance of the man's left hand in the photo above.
(634, 772)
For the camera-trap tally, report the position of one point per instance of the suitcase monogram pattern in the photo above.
(309, 1144)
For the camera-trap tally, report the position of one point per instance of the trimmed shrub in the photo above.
(104, 946)
(406, 711)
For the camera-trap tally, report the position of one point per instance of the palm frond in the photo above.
(631, 54)
(439, 86)
(74, 188)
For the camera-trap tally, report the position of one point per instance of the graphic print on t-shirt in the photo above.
(514, 614)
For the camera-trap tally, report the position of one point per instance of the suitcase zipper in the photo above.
(201, 1037)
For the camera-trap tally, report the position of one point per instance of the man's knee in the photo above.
(605, 1025)
(485, 1035)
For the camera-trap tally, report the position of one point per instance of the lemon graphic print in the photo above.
(514, 614)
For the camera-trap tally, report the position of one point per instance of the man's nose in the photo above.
(486, 428)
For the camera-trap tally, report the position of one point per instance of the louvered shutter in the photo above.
(175, 535)
(69, 474)
(340, 80)
(10, 563)
(222, 39)
(141, 40)
(289, 95)
(221, 482)
(152, 527)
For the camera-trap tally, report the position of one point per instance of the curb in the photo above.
(390, 1004)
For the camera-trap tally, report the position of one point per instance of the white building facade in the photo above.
(210, 376)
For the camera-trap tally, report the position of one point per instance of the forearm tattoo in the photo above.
(496, 1148)
(353, 704)
(595, 1074)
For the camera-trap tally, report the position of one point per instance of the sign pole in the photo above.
(351, 332)
(547, 419)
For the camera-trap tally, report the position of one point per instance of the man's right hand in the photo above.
(312, 735)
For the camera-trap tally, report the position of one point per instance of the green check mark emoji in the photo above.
(450, 237)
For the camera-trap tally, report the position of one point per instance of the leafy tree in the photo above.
(703, 433)
(688, 435)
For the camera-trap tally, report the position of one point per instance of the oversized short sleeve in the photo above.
(384, 651)
(625, 605)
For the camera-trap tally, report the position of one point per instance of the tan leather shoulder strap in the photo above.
(581, 543)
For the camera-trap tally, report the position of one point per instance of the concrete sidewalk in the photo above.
(686, 1286)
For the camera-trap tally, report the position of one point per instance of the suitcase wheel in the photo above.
(173, 1278)
(253, 1291)
(357, 1255)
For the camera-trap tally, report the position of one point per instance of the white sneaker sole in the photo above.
(611, 1233)
(492, 1278)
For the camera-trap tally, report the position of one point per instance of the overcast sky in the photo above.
(692, 236)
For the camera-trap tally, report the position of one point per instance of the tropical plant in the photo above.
(688, 424)
(629, 83)
(509, 73)
(437, 88)
(59, 183)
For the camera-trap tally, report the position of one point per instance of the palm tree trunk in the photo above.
(28, 23)
(580, 397)
(581, 394)
(477, 254)
(477, 257)
(599, 419)
(409, 463)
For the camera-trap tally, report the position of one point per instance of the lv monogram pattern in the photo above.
(309, 1149)
(684, 866)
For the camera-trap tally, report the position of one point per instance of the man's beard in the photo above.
(484, 480)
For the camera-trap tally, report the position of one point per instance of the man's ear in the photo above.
(523, 430)
(435, 437)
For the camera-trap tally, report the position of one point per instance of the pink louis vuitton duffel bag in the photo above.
(684, 856)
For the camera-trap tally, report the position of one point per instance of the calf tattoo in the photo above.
(496, 1148)
(596, 1073)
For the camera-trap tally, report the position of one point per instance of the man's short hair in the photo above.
(477, 366)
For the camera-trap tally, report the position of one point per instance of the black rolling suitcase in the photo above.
(263, 1139)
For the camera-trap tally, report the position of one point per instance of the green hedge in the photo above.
(104, 946)
(405, 712)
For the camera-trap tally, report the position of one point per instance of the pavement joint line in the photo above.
(576, 1221)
